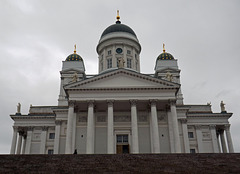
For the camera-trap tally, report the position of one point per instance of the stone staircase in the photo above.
(124, 163)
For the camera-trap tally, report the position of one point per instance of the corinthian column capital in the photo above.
(110, 102)
(183, 120)
(133, 102)
(227, 127)
(71, 103)
(90, 103)
(153, 102)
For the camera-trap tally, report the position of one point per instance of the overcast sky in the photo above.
(37, 35)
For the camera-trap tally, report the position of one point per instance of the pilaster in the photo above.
(214, 138)
(185, 135)
(29, 140)
(199, 138)
(43, 140)
(57, 136)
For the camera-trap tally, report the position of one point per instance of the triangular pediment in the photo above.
(122, 78)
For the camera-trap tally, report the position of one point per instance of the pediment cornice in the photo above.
(158, 83)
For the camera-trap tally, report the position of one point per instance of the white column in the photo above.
(229, 138)
(57, 136)
(43, 140)
(218, 135)
(170, 129)
(199, 138)
(110, 139)
(185, 135)
(74, 131)
(19, 146)
(14, 140)
(90, 128)
(224, 147)
(68, 148)
(24, 143)
(155, 133)
(29, 140)
(175, 127)
(214, 138)
(134, 124)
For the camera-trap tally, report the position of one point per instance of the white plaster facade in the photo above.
(121, 110)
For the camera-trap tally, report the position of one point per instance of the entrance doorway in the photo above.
(122, 144)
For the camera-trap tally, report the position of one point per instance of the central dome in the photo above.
(118, 27)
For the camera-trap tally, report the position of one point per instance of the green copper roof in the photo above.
(74, 57)
(165, 56)
(118, 27)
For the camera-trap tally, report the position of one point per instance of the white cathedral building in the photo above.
(120, 109)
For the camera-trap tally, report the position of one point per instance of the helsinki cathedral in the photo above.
(121, 110)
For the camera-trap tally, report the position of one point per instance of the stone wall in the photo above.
(129, 163)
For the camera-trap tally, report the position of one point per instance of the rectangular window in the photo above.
(129, 63)
(50, 151)
(51, 135)
(190, 135)
(109, 63)
(122, 138)
(128, 52)
(192, 151)
(109, 52)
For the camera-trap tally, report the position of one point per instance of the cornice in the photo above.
(211, 115)
(24, 117)
(170, 85)
(121, 89)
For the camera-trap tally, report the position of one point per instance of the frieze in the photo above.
(101, 118)
(162, 117)
(58, 122)
(142, 118)
(212, 126)
(124, 118)
(206, 135)
(82, 118)
(36, 136)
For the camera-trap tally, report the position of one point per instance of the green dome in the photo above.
(165, 56)
(74, 57)
(118, 27)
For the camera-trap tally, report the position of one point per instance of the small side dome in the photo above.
(74, 56)
(165, 55)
